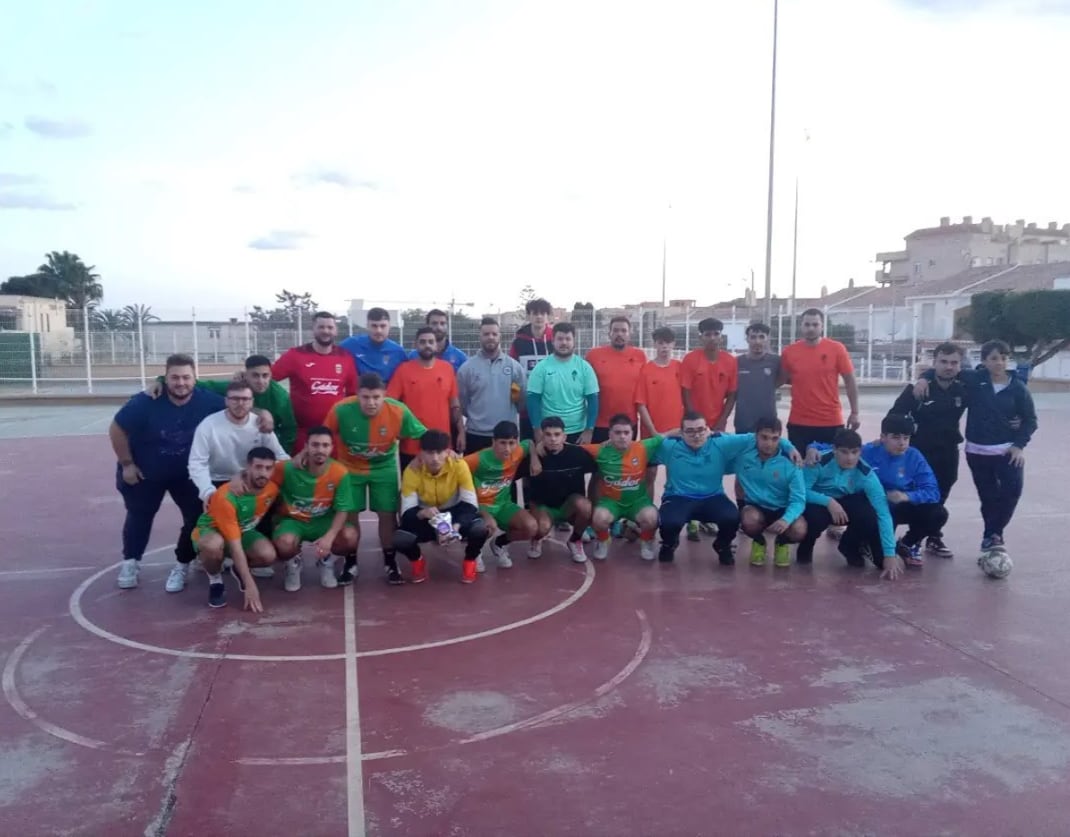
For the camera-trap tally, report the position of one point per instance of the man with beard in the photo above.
(557, 494)
(617, 366)
(564, 385)
(152, 439)
(428, 387)
(366, 432)
(320, 373)
(438, 321)
(375, 351)
(490, 385)
(228, 529)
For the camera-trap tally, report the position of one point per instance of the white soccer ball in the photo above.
(996, 563)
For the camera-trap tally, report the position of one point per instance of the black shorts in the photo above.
(771, 515)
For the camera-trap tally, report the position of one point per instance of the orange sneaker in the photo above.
(419, 570)
(468, 571)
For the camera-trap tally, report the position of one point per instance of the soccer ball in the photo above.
(996, 563)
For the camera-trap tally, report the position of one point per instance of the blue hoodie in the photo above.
(381, 358)
(451, 354)
(827, 481)
(908, 472)
(774, 483)
(699, 474)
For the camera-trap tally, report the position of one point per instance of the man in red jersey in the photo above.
(428, 387)
(617, 366)
(658, 394)
(709, 377)
(320, 373)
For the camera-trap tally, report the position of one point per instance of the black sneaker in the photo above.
(394, 576)
(217, 594)
(665, 554)
(937, 547)
(804, 556)
(348, 574)
(724, 554)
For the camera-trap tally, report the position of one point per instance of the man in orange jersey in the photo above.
(658, 394)
(617, 366)
(366, 431)
(814, 366)
(428, 387)
(709, 377)
(316, 499)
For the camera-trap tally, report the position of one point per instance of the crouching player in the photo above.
(843, 490)
(436, 482)
(774, 495)
(557, 494)
(316, 499)
(227, 529)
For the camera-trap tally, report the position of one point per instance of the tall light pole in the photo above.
(794, 257)
(769, 210)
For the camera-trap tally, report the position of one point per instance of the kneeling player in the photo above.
(557, 494)
(622, 463)
(435, 483)
(316, 500)
(773, 495)
(493, 472)
(227, 529)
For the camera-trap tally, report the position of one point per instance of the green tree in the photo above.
(527, 293)
(135, 314)
(32, 285)
(108, 319)
(1035, 324)
(63, 276)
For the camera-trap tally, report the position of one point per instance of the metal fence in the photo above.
(92, 354)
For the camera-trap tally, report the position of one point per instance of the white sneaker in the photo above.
(293, 575)
(601, 550)
(535, 548)
(835, 532)
(263, 572)
(576, 553)
(480, 566)
(646, 550)
(128, 571)
(327, 576)
(502, 554)
(176, 579)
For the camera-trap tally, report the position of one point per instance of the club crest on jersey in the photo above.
(635, 460)
(768, 371)
(958, 402)
(330, 486)
(338, 369)
(382, 431)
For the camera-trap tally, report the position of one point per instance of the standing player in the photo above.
(658, 394)
(375, 351)
(937, 417)
(228, 529)
(490, 385)
(438, 483)
(622, 463)
(316, 500)
(428, 387)
(616, 366)
(532, 343)
(709, 377)
(557, 494)
(320, 373)
(366, 431)
(564, 385)
(493, 472)
(438, 321)
(152, 439)
(759, 372)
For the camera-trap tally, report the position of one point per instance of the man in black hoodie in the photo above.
(529, 349)
(937, 417)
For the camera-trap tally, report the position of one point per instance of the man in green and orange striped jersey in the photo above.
(316, 499)
(622, 464)
(227, 529)
(493, 471)
(366, 431)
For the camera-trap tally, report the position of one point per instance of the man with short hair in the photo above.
(223, 440)
(490, 386)
(773, 494)
(438, 321)
(151, 439)
(428, 387)
(558, 493)
(436, 485)
(534, 341)
(366, 431)
(842, 489)
(709, 377)
(937, 417)
(759, 371)
(320, 374)
(564, 385)
(317, 504)
(375, 351)
(658, 394)
(622, 464)
(494, 470)
(228, 529)
(616, 366)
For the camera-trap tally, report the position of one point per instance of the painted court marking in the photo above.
(354, 756)
(75, 608)
(645, 641)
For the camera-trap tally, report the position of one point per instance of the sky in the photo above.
(410, 153)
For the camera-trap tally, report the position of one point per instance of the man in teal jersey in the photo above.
(565, 385)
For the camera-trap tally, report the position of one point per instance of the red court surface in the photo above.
(620, 698)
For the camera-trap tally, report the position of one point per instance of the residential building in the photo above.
(45, 317)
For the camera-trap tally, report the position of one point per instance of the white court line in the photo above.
(42, 570)
(354, 758)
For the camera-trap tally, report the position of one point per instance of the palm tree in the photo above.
(134, 314)
(73, 278)
(108, 319)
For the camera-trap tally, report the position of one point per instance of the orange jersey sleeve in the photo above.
(224, 515)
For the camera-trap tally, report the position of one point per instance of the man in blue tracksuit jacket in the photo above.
(774, 494)
(695, 466)
(842, 489)
(375, 351)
